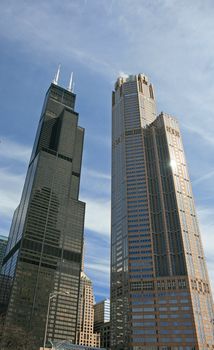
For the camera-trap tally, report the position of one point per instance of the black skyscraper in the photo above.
(44, 251)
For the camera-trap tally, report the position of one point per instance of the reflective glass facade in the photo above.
(159, 283)
(44, 250)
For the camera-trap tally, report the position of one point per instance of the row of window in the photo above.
(172, 308)
(153, 316)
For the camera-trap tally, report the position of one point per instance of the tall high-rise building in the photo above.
(160, 292)
(44, 250)
(85, 323)
(3, 245)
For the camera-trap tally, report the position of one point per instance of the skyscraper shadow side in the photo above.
(44, 251)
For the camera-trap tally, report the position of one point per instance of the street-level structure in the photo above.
(160, 292)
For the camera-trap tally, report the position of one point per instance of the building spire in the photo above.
(56, 78)
(70, 85)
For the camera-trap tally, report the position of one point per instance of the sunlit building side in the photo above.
(160, 292)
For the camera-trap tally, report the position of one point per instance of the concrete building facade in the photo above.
(85, 325)
(160, 292)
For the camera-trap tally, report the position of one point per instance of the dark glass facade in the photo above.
(3, 245)
(4, 294)
(160, 293)
(44, 250)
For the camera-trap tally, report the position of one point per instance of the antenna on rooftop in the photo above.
(56, 78)
(70, 85)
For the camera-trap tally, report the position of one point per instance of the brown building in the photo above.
(160, 292)
(85, 325)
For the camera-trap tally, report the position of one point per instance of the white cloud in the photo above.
(100, 268)
(123, 75)
(14, 157)
(12, 150)
(97, 261)
(96, 174)
(97, 217)
(10, 191)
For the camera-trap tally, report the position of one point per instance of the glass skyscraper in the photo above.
(160, 292)
(44, 250)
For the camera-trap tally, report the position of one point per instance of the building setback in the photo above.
(160, 292)
(44, 250)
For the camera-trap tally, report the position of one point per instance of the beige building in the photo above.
(160, 292)
(85, 325)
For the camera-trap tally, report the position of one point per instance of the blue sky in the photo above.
(170, 41)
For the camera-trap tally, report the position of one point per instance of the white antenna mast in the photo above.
(70, 85)
(56, 78)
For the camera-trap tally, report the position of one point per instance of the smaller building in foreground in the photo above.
(85, 323)
(102, 322)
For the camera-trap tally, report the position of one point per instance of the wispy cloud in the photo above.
(97, 261)
(97, 174)
(97, 215)
(206, 220)
(10, 191)
(14, 157)
(101, 268)
(12, 150)
(30, 20)
(204, 177)
(201, 132)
